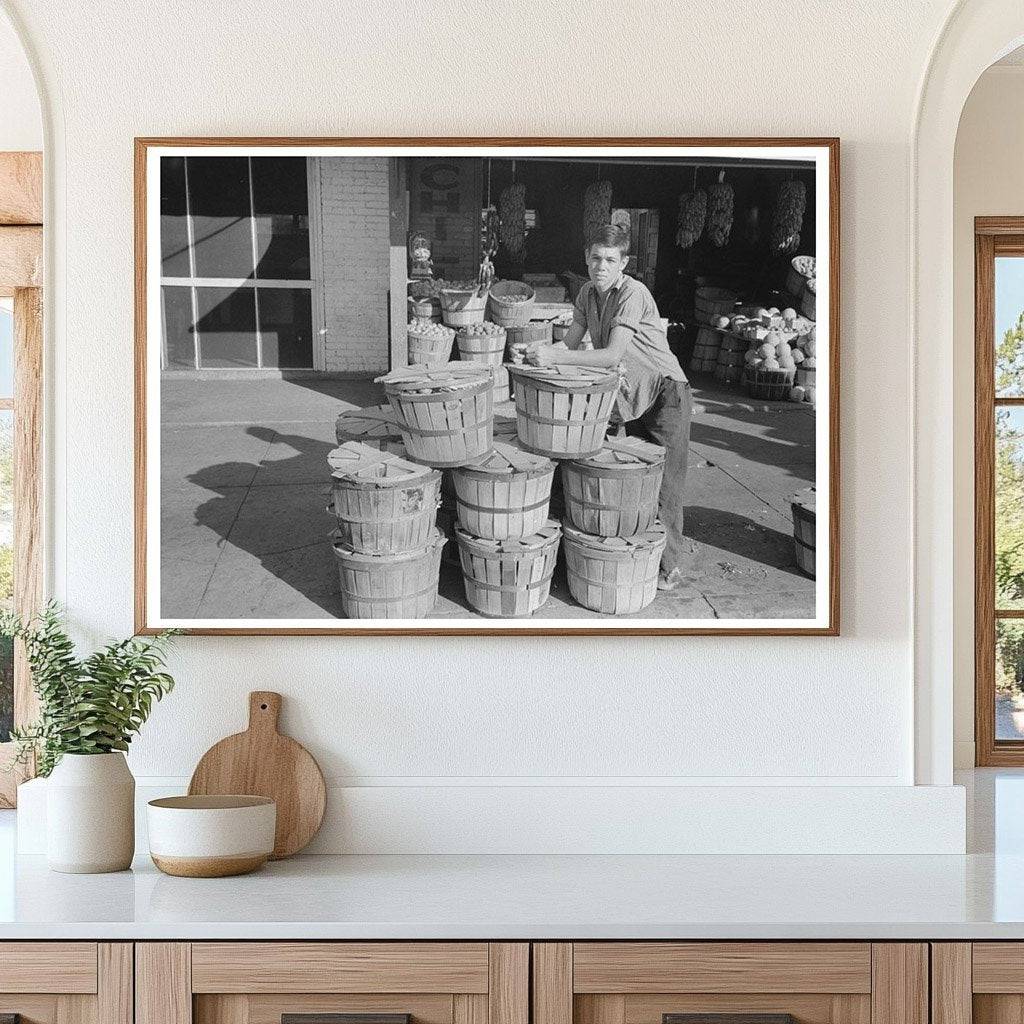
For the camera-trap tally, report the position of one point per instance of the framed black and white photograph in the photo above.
(487, 386)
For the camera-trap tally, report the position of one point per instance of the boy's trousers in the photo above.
(667, 422)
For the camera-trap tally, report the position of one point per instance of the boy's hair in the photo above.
(610, 234)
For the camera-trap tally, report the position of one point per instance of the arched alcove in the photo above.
(975, 35)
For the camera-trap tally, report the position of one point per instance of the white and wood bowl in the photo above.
(211, 836)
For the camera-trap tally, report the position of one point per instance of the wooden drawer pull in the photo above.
(340, 1018)
(727, 1018)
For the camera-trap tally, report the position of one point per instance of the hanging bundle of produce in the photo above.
(597, 207)
(693, 211)
(489, 231)
(512, 212)
(788, 220)
(720, 212)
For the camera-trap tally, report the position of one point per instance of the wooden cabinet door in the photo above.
(977, 982)
(737, 982)
(66, 982)
(263, 982)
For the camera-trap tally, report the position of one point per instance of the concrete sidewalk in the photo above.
(245, 485)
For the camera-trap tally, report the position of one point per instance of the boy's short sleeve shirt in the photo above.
(647, 360)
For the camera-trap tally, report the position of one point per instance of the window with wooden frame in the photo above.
(21, 363)
(999, 491)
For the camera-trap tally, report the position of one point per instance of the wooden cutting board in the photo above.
(262, 762)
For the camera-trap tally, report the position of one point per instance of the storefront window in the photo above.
(236, 262)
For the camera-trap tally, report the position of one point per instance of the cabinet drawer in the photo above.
(48, 967)
(737, 982)
(340, 967)
(634, 967)
(261, 982)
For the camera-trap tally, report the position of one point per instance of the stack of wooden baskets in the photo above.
(387, 544)
(507, 545)
(613, 540)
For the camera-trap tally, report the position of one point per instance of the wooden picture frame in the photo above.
(824, 152)
(21, 278)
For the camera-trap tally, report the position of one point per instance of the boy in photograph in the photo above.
(655, 401)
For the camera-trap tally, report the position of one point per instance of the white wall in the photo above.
(438, 716)
(988, 181)
(21, 124)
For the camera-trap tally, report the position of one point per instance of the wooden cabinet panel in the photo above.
(951, 982)
(340, 967)
(67, 982)
(998, 967)
(68, 967)
(552, 983)
(899, 983)
(756, 967)
(163, 983)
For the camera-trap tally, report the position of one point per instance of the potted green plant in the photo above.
(89, 710)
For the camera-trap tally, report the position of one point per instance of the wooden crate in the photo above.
(613, 575)
(385, 504)
(504, 494)
(615, 493)
(512, 577)
(444, 413)
(402, 586)
(563, 411)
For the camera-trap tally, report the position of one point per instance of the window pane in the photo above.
(6, 352)
(173, 226)
(282, 218)
(1009, 512)
(227, 326)
(1009, 322)
(179, 333)
(218, 196)
(286, 326)
(6, 567)
(1009, 679)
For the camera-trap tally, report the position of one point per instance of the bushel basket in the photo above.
(374, 426)
(615, 493)
(444, 413)
(429, 349)
(511, 303)
(390, 586)
(509, 578)
(463, 304)
(504, 494)
(563, 411)
(613, 575)
(384, 503)
(773, 385)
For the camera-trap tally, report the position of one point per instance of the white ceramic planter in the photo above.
(90, 814)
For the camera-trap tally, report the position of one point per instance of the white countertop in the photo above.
(978, 896)
(532, 897)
